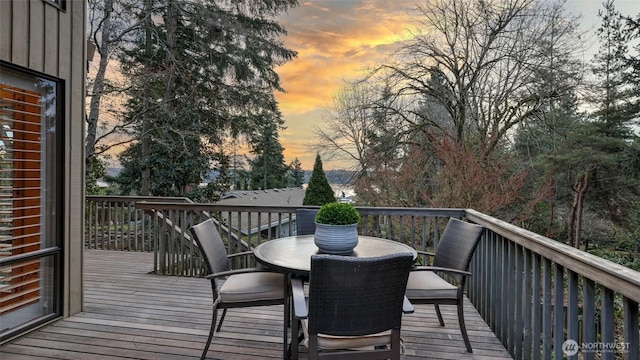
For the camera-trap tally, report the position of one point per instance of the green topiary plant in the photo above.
(319, 191)
(336, 213)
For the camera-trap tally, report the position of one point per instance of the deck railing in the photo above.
(542, 299)
(114, 223)
(546, 300)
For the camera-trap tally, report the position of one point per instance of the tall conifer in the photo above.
(319, 191)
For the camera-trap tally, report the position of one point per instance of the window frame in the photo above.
(54, 246)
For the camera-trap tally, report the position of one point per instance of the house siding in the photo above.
(39, 36)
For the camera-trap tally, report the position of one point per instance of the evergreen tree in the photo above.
(610, 147)
(200, 72)
(548, 140)
(296, 173)
(633, 61)
(175, 163)
(584, 158)
(319, 191)
(268, 170)
(240, 176)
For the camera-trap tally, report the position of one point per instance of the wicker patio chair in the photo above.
(355, 306)
(305, 221)
(452, 256)
(243, 287)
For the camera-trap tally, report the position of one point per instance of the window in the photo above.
(30, 199)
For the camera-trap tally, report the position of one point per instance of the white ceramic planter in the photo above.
(336, 239)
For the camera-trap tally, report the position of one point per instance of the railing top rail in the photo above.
(138, 198)
(611, 275)
(366, 210)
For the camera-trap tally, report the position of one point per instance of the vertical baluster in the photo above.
(250, 226)
(128, 226)
(527, 311)
(365, 224)
(436, 233)
(606, 322)
(184, 245)
(176, 240)
(546, 309)
(156, 240)
(588, 316)
(93, 222)
(119, 223)
(572, 311)
(132, 225)
(494, 290)
(168, 235)
(537, 306)
(259, 234)
(518, 323)
(425, 234)
(171, 268)
(485, 272)
(115, 219)
(412, 234)
(109, 225)
(510, 297)
(162, 251)
(101, 223)
(137, 227)
(473, 282)
(631, 326)
(558, 312)
(501, 306)
(140, 238)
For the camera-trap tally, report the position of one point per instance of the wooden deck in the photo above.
(131, 314)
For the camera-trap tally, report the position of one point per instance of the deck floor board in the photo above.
(130, 313)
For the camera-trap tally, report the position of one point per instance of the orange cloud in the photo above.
(335, 41)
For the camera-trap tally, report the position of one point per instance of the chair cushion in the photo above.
(428, 285)
(252, 286)
(347, 342)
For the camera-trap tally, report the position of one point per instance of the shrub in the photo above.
(336, 213)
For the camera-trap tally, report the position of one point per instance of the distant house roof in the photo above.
(276, 197)
(273, 197)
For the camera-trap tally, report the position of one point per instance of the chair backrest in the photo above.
(457, 244)
(357, 296)
(305, 221)
(211, 246)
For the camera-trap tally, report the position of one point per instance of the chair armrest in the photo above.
(407, 307)
(243, 253)
(235, 272)
(420, 252)
(442, 269)
(299, 302)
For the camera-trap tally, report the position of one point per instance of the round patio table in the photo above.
(292, 254)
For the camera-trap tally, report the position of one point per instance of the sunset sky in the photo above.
(337, 39)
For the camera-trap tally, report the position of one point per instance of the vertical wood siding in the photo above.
(39, 36)
(76, 66)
